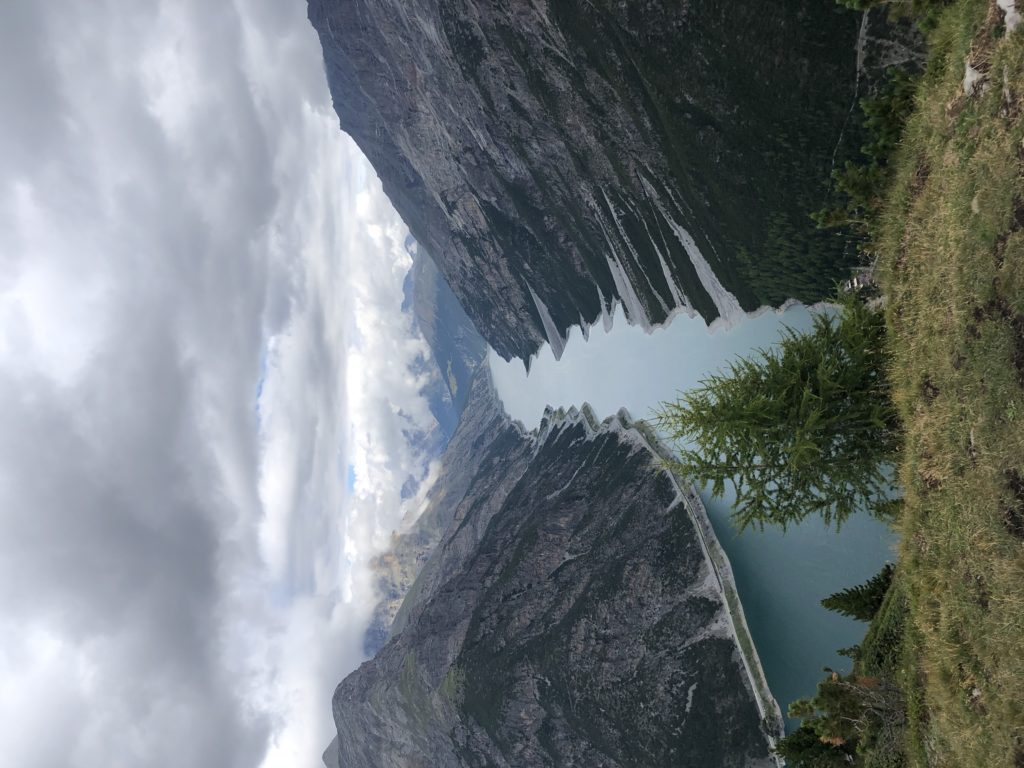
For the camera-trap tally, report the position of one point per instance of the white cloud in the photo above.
(194, 265)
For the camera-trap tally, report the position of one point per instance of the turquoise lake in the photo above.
(781, 577)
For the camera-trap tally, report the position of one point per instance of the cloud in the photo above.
(199, 285)
(319, 556)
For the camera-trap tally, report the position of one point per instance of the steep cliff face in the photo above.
(558, 156)
(569, 614)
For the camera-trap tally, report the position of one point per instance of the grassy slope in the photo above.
(953, 268)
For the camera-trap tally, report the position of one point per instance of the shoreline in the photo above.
(767, 705)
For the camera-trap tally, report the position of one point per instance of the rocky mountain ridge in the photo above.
(559, 157)
(572, 612)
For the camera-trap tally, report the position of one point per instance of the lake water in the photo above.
(780, 577)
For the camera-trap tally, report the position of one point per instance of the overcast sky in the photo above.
(199, 336)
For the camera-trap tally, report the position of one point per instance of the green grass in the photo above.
(952, 266)
(453, 687)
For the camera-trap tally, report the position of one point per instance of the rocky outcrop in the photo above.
(571, 613)
(556, 157)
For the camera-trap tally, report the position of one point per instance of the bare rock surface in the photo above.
(568, 615)
(558, 156)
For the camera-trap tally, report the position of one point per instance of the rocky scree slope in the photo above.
(558, 156)
(567, 616)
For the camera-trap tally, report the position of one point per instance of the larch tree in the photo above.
(803, 428)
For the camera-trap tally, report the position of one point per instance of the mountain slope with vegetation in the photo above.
(952, 266)
(938, 681)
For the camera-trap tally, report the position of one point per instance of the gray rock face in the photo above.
(569, 615)
(558, 156)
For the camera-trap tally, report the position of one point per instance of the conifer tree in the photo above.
(805, 428)
(803, 748)
(863, 601)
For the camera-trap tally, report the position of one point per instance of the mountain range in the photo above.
(562, 599)
(565, 603)
(559, 157)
